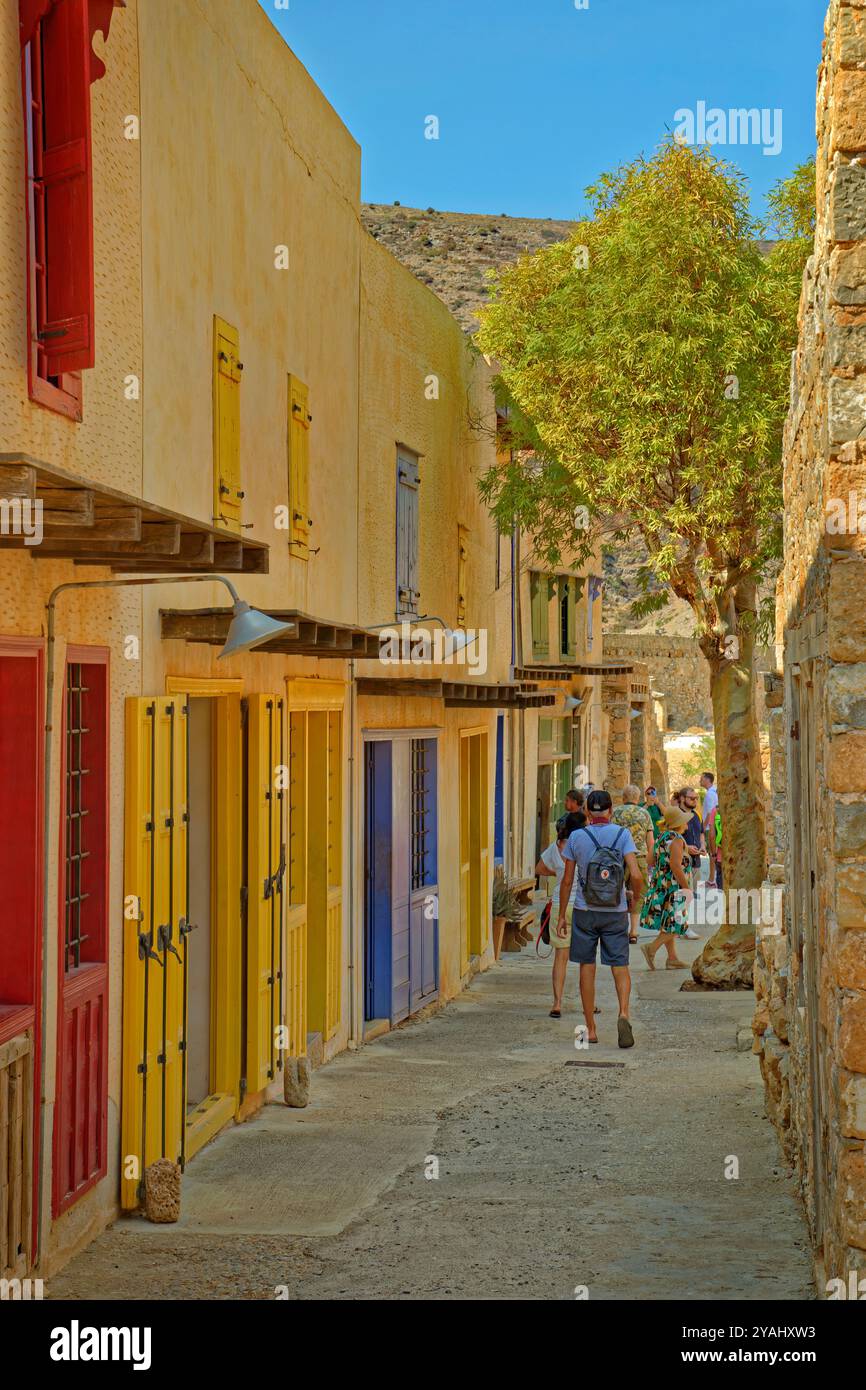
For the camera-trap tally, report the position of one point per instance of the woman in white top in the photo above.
(552, 865)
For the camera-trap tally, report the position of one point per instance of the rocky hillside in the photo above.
(452, 251)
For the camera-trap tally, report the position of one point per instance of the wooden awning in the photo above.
(563, 673)
(457, 694)
(309, 636)
(96, 525)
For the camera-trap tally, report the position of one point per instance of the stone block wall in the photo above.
(635, 745)
(810, 977)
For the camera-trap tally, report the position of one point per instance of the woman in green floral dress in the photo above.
(661, 909)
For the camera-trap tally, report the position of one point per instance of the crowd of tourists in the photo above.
(621, 871)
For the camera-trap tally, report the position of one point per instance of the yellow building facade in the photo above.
(254, 856)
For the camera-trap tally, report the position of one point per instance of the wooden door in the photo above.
(423, 873)
(400, 934)
(377, 880)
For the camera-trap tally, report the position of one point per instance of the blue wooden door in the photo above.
(377, 879)
(401, 929)
(499, 794)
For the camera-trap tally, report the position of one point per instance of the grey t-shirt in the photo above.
(581, 849)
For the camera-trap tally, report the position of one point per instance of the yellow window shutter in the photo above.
(299, 425)
(154, 944)
(227, 373)
(266, 866)
(462, 558)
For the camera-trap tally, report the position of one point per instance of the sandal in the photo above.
(677, 965)
(555, 1013)
(633, 940)
(650, 959)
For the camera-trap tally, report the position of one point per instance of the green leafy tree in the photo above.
(703, 759)
(646, 361)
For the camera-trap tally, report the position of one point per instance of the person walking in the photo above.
(574, 801)
(708, 818)
(596, 860)
(695, 844)
(693, 833)
(717, 840)
(638, 820)
(552, 864)
(664, 904)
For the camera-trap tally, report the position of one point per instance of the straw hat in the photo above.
(675, 819)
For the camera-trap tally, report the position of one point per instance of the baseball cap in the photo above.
(598, 801)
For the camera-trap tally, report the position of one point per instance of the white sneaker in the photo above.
(692, 935)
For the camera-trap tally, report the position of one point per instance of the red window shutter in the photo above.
(29, 14)
(65, 310)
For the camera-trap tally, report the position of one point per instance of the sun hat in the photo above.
(675, 819)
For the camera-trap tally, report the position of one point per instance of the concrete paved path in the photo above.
(550, 1176)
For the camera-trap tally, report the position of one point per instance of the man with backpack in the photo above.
(599, 854)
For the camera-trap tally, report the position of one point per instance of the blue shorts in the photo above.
(591, 928)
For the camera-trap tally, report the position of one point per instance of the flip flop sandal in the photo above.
(633, 940)
(555, 1013)
(624, 1034)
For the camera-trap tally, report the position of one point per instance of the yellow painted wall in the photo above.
(408, 336)
(105, 447)
(241, 153)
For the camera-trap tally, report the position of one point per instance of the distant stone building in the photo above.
(634, 735)
(810, 979)
(679, 671)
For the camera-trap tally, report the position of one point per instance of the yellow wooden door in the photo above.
(226, 953)
(334, 792)
(296, 910)
(154, 948)
(266, 863)
(324, 859)
(465, 854)
(483, 861)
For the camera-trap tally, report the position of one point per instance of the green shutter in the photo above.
(539, 588)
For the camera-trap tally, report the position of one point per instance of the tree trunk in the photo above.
(728, 958)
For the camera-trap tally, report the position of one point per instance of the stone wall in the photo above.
(810, 977)
(635, 742)
(679, 671)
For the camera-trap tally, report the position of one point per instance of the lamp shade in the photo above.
(250, 628)
(573, 702)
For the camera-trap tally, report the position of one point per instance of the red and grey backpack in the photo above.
(605, 873)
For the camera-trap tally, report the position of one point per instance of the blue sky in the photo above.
(534, 98)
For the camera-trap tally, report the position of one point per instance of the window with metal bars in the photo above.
(84, 816)
(422, 828)
(81, 1102)
(77, 853)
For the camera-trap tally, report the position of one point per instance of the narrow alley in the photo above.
(607, 1175)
